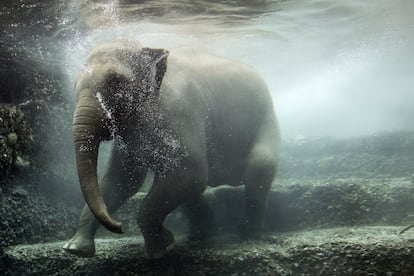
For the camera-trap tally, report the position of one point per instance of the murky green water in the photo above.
(341, 69)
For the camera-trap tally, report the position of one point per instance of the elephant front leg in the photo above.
(117, 187)
(82, 243)
(166, 194)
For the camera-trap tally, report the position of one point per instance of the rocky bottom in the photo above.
(370, 250)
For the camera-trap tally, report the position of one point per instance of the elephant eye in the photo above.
(115, 81)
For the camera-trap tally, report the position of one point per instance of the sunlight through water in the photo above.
(334, 68)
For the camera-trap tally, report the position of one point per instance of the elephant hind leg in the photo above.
(258, 176)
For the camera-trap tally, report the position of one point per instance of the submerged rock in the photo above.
(21, 163)
(12, 138)
(20, 192)
(15, 133)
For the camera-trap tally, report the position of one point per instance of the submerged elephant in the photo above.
(190, 118)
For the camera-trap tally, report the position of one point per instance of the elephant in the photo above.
(191, 118)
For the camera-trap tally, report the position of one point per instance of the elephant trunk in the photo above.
(88, 131)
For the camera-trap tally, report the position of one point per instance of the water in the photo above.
(334, 68)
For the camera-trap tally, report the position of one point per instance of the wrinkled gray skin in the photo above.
(191, 118)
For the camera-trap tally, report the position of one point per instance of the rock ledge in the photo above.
(366, 250)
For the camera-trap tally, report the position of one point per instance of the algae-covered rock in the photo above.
(15, 138)
(12, 139)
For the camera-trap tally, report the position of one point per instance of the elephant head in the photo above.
(112, 75)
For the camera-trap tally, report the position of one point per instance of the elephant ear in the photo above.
(160, 57)
(126, 91)
(150, 70)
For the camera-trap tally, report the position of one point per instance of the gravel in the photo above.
(370, 250)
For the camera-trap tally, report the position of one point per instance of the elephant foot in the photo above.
(157, 245)
(80, 246)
